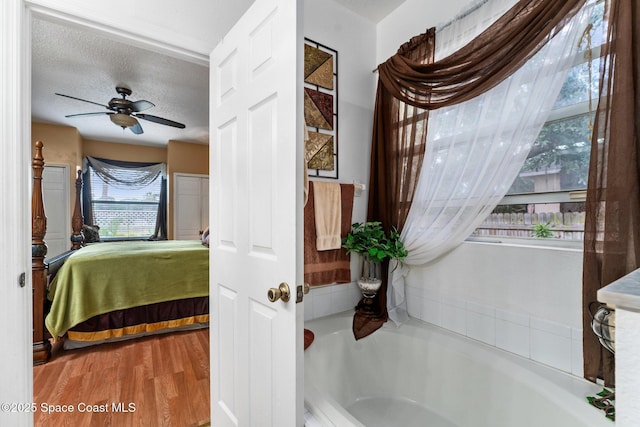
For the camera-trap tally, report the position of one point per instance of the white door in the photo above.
(191, 206)
(256, 211)
(55, 192)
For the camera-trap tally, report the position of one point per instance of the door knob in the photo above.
(281, 292)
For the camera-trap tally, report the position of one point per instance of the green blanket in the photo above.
(111, 276)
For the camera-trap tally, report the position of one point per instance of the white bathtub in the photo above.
(422, 375)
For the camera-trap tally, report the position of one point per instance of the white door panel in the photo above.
(256, 372)
(55, 192)
(191, 206)
(204, 206)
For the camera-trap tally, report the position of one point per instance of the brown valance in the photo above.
(490, 58)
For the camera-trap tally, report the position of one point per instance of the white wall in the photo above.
(411, 18)
(353, 37)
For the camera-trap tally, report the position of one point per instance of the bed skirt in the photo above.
(118, 325)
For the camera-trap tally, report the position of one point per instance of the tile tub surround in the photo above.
(323, 301)
(544, 341)
(624, 296)
(541, 340)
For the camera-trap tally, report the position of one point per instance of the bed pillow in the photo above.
(91, 233)
(205, 237)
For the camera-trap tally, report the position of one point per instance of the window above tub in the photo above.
(547, 199)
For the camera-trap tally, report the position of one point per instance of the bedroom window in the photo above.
(127, 200)
(551, 187)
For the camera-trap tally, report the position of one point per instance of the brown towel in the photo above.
(326, 267)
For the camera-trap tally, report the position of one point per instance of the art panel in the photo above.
(321, 109)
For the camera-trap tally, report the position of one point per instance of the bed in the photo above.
(117, 290)
(110, 291)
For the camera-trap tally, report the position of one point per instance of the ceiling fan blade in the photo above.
(101, 113)
(83, 100)
(160, 120)
(141, 105)
(137, 129)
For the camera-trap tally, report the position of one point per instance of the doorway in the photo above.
(71, 154)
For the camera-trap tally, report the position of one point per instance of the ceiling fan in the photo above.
(124, 112)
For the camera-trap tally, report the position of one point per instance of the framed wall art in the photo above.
(321, 109)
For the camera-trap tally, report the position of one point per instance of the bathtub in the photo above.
(422, 375)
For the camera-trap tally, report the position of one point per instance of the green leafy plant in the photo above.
(605, 402)
(369, 239)
(542, 230)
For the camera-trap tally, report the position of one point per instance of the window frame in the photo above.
(96, 179)
(561, 196)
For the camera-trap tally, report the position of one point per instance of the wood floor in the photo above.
(154, 381)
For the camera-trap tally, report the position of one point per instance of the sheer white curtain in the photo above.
(468, 24)
(475, 149)
(126, 175)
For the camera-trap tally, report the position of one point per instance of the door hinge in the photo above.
(22, 279)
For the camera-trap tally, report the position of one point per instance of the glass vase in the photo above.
(369, 282)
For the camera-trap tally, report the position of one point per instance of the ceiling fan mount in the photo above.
(124, 91)
(124, 112)
(122, 105)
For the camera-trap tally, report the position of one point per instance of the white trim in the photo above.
(119, 34)
(533, 242)
(16, 317)
(15, 157)
(568, 196)
(196, 175)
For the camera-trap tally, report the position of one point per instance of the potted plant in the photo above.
(369, 240)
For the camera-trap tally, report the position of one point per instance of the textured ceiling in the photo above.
(374, 10)
(89, 65)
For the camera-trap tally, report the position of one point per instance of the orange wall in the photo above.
(124, 152)
(63, 145)
(187, 158)
(184, 157)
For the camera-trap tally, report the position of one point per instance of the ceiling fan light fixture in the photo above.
(123, 120)
(125, 113)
